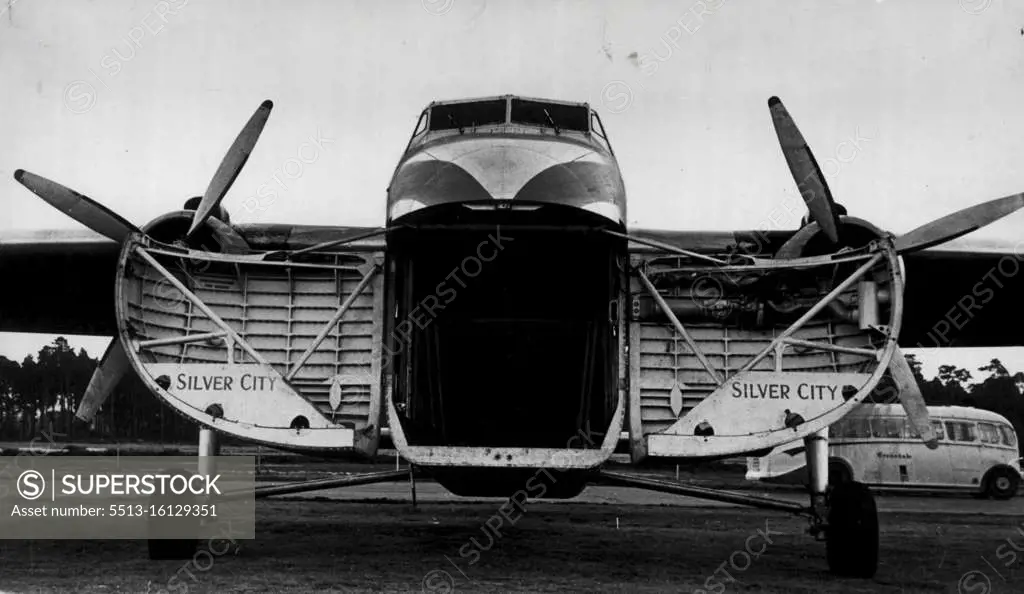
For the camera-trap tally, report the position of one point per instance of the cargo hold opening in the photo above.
(518, 351)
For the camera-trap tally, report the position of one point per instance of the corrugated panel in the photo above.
(727, 349)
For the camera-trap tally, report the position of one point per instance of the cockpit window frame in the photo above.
(424, 121)
(599, 131)
(595, 131)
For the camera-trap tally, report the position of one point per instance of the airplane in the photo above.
(506, 324)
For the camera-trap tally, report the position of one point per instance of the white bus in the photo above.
(876, 445)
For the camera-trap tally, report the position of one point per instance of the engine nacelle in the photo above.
(215, 235)
(810, 241)
(854, 233)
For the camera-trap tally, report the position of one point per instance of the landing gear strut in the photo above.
(188, 528)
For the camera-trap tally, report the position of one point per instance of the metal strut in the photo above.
(625, 480)
(679, 327)
(369, 478)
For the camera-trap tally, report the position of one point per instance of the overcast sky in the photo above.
(134, 102)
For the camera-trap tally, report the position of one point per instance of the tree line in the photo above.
(39, 397)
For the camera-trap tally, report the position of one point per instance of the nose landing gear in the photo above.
(844, 515)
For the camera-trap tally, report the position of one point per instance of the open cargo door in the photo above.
(731, 356)
(285, 353)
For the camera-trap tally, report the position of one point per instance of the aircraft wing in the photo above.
(63, 281)
(963, 293)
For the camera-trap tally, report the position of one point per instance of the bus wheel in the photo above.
(851, 537)
(1002, 483)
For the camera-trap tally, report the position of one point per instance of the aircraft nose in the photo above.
(474, 169)
(504, 167)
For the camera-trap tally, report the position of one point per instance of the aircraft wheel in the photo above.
(838, 474)
(172, 550)
(184, 530)
(851, 543)
(1002, 483)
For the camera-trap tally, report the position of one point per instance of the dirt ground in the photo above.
(317, 545)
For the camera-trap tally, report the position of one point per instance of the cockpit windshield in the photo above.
(543, 114)
(550, 115)
(470, 114)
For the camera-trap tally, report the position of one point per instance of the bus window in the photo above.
(989, 433)
(939, 432)
(909, 431)
(839, 429)
(1008, 436)
(859, 428)
(961, 431)
(890, 428)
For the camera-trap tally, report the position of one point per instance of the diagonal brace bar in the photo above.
(679, 326)
(813, 311)
(332, 323)
(232, 335)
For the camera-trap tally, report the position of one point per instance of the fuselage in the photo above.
(503, 350)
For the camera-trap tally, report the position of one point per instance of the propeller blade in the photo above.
(911, 399)
(806, 173)
(957, 224)
(113, 366)
(83, 209)
(231, 166)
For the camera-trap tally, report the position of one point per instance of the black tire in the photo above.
(838, 474)
(851, 543)
(172, 550)
(1002, 483)
(187, 528)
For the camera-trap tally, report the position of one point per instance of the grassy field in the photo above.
(319, 545)
(332, 546)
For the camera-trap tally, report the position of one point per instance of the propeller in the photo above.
(83, 209)
(115, 364)
(958, 223)
(231, 165)
(806, 173)
(823, 210)
(912, 399)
